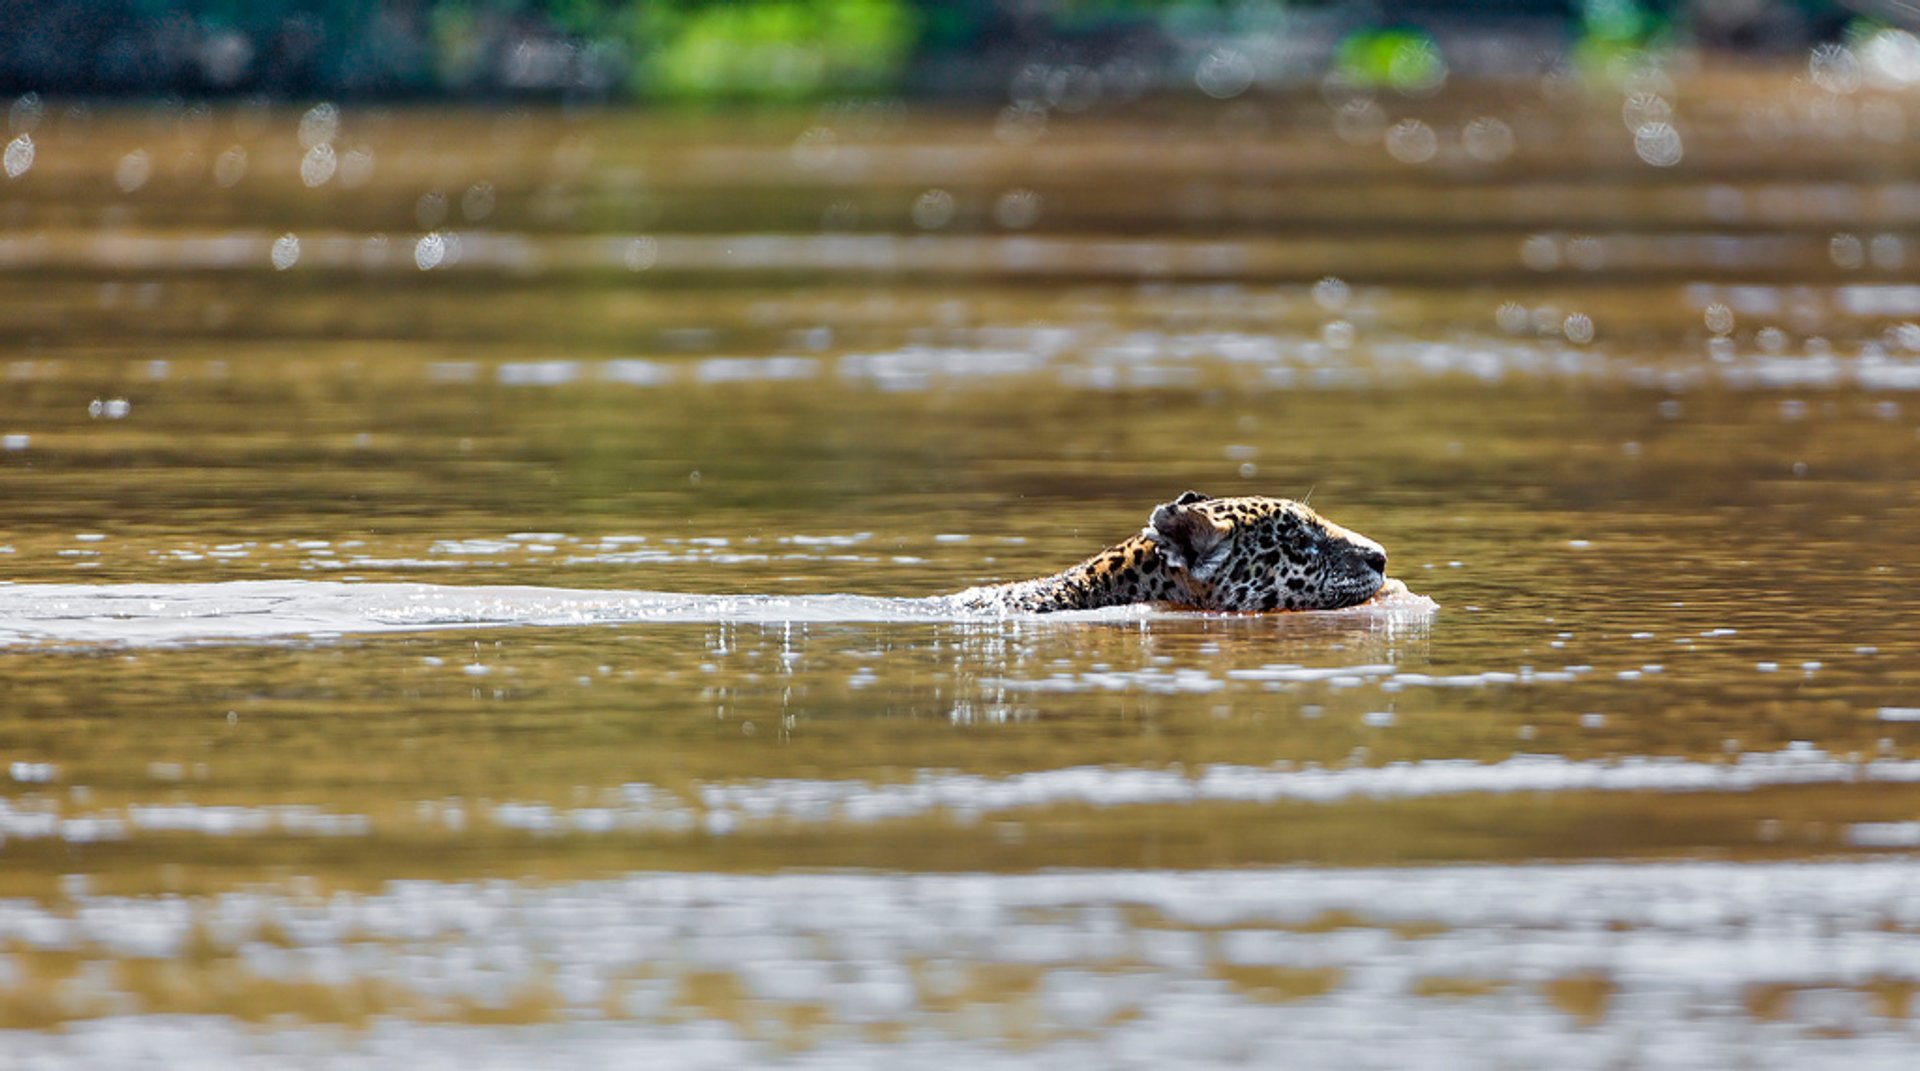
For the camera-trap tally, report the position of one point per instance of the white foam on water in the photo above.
(265, 610)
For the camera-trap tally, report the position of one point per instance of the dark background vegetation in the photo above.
(683, 50)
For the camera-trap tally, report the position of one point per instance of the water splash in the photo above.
(269, 610)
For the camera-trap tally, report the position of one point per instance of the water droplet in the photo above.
(1417, 68)
(1587, 253)
(933, 210)
(19, 156)
(1540, 252)
(429, 251)
(641, 253)
(132, 171)
(1017, 209)
(319, 125)
(1647, 76)
(1028, 85)
(1643, 109)
(230, 167)
(430, 210)
(1834, 68)
(1072, 88)
(1411, 141)
(286, 252)
(356, 167)
(1224, 73)
(23, 117)
(1487, 140)
(1658, 144)
(814, 148)
(318, 165)
(1360, 122)
(1719, 318)
(1331, 294)
(477, 203)
(1847, 251)
(1888, 252)
(1020, 124)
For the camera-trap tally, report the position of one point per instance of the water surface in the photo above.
(684, 414)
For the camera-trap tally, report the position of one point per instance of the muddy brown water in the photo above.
(1642, 792)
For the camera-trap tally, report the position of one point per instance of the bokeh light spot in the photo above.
(429, 251)
(133, 171)
(19, 156)
(1412, 141)
(933, 210)
(1658, 144)
(286, 252)
(318, 165)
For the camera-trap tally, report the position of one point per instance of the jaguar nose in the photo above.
(1365, 549)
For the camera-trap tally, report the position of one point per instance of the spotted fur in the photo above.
(1196, 552)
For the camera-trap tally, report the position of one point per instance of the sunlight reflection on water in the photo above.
(1619, 372)
(1581, 966)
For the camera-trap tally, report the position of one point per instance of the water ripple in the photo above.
(252, 610)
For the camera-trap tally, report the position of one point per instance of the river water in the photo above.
(458, 569)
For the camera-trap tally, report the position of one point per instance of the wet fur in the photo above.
(1196, 552)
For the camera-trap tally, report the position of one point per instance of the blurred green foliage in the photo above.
(689, 49)
(769, 49)
(784, 50)
(1613, 33)
(1399, 58)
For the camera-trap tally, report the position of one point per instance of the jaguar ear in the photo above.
(1188, 539)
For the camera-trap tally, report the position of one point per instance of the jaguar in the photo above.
(1246, 553)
